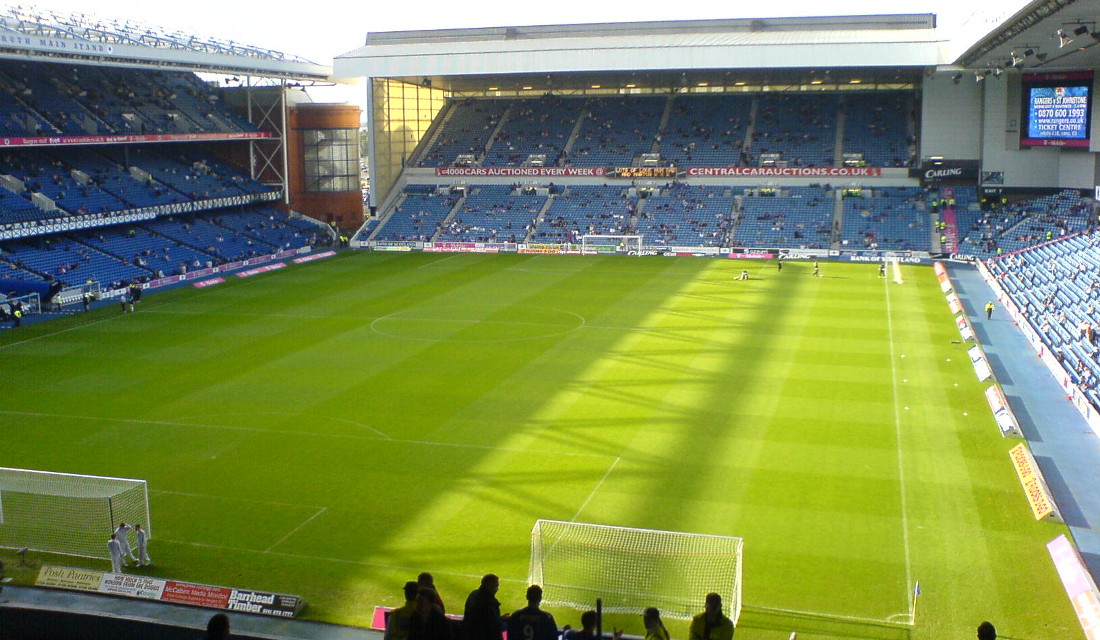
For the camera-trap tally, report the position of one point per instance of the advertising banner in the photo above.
(462, 247)
(41, 141)
(68, 578)
(314, 256)
(188, 593)
(521, 172)
(981, 365)
(965, 329)
(784, 172)
(947, 170)
(1002, 413)
(258, 270)
(1035, 487)
(1079, 585)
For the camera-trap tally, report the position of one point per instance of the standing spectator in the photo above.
(712, 624)
(426, 580)
(654, 627)
(122, 532)
(142, 545)
(481, 619)
(587, 630)
(116, 553)
(397, 624)
(531, 622)
(427, 621)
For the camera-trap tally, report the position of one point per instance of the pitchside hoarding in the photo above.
(190, 593)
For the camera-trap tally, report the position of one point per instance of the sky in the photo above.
(332, 27)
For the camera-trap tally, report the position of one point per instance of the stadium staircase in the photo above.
(575, 134)
(750, 130)
(838, 147)
(446, 222)
(663, 125)
(540, 217)
(838, 220)
(496, 131)
(431, 136)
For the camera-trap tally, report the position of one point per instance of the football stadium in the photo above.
(798, 311)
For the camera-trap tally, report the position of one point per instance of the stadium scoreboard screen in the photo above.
(1056, 109)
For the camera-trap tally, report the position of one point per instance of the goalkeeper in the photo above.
(711, 624)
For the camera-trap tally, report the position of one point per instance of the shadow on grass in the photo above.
(814, 625)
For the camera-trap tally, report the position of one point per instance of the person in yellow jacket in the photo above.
(654, 627)
(712, 624)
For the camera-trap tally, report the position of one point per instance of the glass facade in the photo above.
(401, 114)
(331, 159)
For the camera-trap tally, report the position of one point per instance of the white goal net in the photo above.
(631, 569)
(68, 513)
(626, 245)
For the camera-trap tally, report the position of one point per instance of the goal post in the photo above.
(68, 513)
(598, 243)
(630, 569)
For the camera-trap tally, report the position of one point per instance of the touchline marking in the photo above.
(901, 467)
(596, 488)
(296, 529)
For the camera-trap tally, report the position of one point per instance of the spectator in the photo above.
(481, 619)
(217, 628)
(425, 579)
(654, 627)
(397, 624)
(711, 624)
(587, 630)
(531, 622)
(427, 621)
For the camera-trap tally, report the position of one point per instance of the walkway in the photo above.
(1066, 448)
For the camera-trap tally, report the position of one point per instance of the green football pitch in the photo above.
(333, 429)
